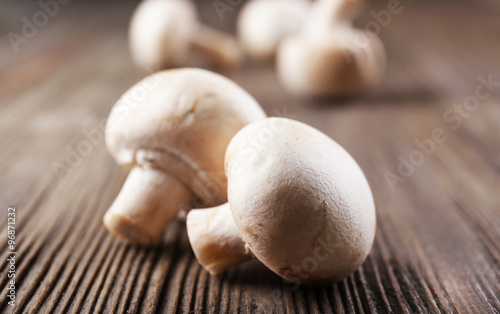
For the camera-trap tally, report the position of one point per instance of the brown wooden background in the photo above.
(437, 247)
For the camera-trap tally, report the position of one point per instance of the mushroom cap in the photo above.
(262, 25)
(335, 62)
(301, 203)
(181, 121)
(160, 31)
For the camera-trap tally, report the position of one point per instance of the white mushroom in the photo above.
(262, 24)
(298, 202)
(166, 33)
(329, 57)
(170, 132)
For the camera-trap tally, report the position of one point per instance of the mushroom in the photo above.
(329, 57)
(262, 24)
(298, 202)
(166, 33)
(170, 132)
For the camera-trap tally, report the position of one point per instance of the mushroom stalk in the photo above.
(340, 10)
(215, 239)
(216, 48)
(148, 201)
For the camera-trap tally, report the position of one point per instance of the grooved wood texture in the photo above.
(437, 248)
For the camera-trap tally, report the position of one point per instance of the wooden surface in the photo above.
(437, 247)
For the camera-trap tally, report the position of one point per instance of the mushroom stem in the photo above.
(148, 201)
(345, 9)
(330, 12)
(215, 47)
(215, 240)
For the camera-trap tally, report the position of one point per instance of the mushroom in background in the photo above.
(329, 57)
(262, 24)
(166, 33)
(298, 202)
(170, 132)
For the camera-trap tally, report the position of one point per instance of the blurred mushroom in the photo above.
(167, 33)
(297, 201)
(170, 133)
(262, 25)
(329, 57)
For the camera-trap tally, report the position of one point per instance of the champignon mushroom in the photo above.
(262, 24)
(329, 57)
(170, 133)
(298, 202)
(166, 33)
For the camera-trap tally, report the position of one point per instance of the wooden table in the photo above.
(437, 247)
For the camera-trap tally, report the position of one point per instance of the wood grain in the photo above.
(437, 248)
